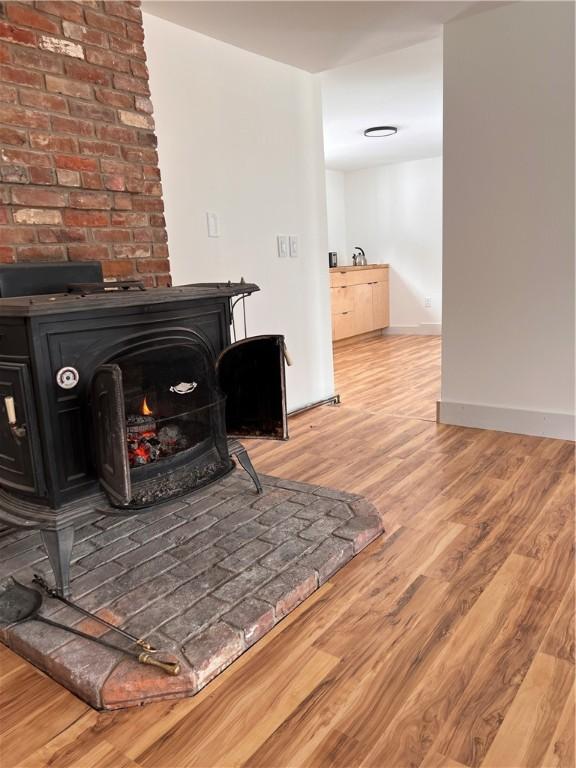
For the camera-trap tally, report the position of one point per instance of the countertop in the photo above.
(351, 269)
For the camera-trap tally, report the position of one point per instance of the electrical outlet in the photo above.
(427, 301)
(293, 242)
(282, 241)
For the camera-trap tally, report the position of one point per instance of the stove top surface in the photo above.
(112, 298)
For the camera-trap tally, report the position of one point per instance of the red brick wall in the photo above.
(78, 164)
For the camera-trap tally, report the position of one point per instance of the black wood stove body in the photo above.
(122, 399)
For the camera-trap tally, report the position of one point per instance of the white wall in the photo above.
(394, 212)
(508, 326)
(336, 211)
(241, 135)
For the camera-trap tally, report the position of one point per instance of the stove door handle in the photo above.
(10, 410)
(19, 432)
(287, 357)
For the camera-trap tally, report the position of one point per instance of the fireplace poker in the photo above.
(19, 603)
(54, 594)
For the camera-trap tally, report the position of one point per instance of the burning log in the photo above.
(147, 443)
(143, 443)
(172, 440)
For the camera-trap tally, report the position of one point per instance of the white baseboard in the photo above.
(422, 329)
(538, 423)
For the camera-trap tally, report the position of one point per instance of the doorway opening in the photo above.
(384, 206)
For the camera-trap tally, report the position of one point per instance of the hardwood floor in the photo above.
(448, 642)
(399, 375)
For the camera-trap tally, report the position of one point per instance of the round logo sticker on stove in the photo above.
(67, 377)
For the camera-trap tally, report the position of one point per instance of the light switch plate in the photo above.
(213, 224)
(282, 241)
(293, 243)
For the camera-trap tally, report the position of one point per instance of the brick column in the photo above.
(78, 162)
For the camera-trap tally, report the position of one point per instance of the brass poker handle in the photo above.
(170, 667)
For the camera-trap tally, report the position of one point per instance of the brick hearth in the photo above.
(204, 578)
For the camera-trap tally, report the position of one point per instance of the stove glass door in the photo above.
(159, 423)
(110, 431)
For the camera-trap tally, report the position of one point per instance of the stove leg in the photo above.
(59, 548)
(238, 450)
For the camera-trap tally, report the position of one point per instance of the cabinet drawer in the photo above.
(341, 298)
(379, 275)
(358, 277)
(343, 326)
(361, 317)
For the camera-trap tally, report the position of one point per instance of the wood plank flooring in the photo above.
(399, 375)
(448, 643)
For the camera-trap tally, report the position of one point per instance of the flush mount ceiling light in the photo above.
(380, 131)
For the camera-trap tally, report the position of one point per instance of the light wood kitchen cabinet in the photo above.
(360, 302)
(381, 304)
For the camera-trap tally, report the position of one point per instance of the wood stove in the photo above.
(123, 398)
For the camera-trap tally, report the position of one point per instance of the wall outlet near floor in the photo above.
(282, 241)
(427, 301)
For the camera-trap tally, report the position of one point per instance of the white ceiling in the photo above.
(381, 63)
(314, 36)
(403, 89)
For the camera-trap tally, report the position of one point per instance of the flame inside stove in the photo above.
(146, 411)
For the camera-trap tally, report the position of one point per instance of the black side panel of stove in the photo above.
(85, 342)
(20, 458)
(13, 339)
(24, 459)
